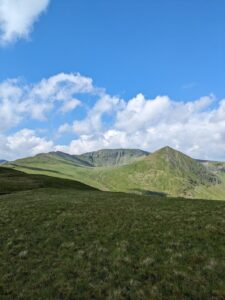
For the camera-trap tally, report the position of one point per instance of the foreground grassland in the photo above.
(71, 244)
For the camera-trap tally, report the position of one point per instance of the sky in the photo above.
(82, 75)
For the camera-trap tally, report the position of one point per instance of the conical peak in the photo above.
(166, 150)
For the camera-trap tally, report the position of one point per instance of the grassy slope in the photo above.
(54, 158)
(77, 167)
(62, 170)
(61, 239)
(217, 191)
(70, 244)
(101, 158)
(212, 192)
(13, 180)
(166, 171)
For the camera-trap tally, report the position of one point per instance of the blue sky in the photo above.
(145, 62)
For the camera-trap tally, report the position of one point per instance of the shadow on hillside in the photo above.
(148, 193)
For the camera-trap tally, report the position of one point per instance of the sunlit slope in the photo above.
(167, 171)
(212, 191)
(100, 158)
(53, 164)
(78, 167)
(52, 158)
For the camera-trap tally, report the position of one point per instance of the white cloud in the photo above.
(93, 122)
(23, 143)
(17, 18)
(141, 113)
(20, 101)
(70, 105)
(62, 86)
(10, 105)
(64, 128)
(194, 127)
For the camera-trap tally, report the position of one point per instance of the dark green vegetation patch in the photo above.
(13, 181)
(71, 244)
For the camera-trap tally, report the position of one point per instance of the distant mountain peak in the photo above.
(110, 150)
(112, 157)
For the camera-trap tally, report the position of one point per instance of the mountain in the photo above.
(77, 167)
(112, 157)
(165, 172)
(53, 158)
(101, 158)
(215, 166)
(2, 161)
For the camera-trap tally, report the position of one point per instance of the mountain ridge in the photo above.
(112, 157)
(102, 157)
(166, 171)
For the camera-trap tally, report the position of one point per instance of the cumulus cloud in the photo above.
(195, 127)
(20, 101)
(93, 122)
(62, 86)
(17, 18)
(9, 104)
(23, 143)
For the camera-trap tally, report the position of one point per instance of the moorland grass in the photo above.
(14, 181)
(71, 244)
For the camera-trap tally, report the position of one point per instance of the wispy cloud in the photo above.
(17, 18)
(189, 86)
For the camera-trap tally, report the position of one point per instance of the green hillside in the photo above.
(66, 243)
(77, 167)
(53, 164)
(53, 158)
(166, 172)
(13, 181)
(101, 158)
(61, 239)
